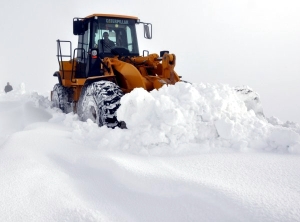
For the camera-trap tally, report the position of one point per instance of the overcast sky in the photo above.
(237, 42)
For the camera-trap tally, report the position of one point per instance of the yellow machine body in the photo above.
(149, 71)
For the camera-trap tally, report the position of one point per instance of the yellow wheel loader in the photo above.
(105, 65)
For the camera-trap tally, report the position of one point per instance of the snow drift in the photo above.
(208, 115)
(192, 152)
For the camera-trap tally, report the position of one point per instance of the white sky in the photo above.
(206, 158)
(237, 42)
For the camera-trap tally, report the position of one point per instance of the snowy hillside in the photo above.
(192, 152)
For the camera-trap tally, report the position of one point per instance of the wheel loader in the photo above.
(105, 65)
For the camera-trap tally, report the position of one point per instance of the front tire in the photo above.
(99, 102)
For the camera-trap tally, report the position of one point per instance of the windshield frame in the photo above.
(122, 32)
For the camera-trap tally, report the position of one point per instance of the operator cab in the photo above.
(121, 31)
(102, 35)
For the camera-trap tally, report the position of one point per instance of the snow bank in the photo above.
(195, 152)
(204, 114)
(204, 117)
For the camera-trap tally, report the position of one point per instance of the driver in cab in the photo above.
(106, 44)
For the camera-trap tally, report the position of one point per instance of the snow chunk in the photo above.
(225, 127)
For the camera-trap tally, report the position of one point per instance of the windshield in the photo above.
(110, 33)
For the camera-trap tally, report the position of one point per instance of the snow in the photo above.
(192, 152)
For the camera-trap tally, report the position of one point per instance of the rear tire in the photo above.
(61, 98)
(99, 102)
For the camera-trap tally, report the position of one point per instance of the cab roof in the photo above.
(113, 16)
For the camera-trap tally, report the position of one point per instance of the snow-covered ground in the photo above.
(192, 152)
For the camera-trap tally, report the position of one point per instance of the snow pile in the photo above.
(19, 109)
(207, 117)
(210, 116)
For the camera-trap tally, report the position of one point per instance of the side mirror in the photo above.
(78, 26)
(148, 31)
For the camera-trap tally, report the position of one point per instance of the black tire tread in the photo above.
(61, 98)
(105, 97)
